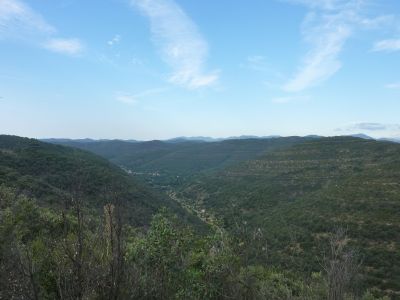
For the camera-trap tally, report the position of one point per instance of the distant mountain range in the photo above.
(83, 141)
(395, 140)
(205, 139)
(211, 139)
(362, 136)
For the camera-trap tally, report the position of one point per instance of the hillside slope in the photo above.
(53, 174)
(298, 194)
(295, 190)
(165, 163)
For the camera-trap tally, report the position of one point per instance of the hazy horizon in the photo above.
(200, 137)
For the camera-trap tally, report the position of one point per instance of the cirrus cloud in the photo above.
(17, 20)
(327, 28)
(390, 45)
(115, 40)
(290, 99)
(126, 98)
(20, 22)
(179, 42)
(395, 85)
(129, 98)
(64, 46)
(370, 126)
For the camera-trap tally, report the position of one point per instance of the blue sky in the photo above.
(155, 69)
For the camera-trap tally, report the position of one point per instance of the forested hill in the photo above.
(55, 174)
(296, 190)
(298, 194)
(290, 218)
(167, 163)
(63, 235)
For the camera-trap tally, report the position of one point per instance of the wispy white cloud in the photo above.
(255, 63)
(378, 22)
(327, 27)
(64, 46)
(390, 45)
(370, 126)
(322, 61)
(136, 61)
(290, 99)
(115, 40)
(19, 21)
(320, 4)
(180, 44)
(327, 32)
(126, 98)
(395, 85)
(129, 98)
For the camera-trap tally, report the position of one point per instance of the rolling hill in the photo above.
(165, 163)
(294, 190)
(53, 174)
(298, 194)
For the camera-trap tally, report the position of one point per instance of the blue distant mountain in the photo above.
(83, 141)
(395, 140)
(362, 136)
(204, 139)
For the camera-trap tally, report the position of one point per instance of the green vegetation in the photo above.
(46, 254)
(172, 164)
(55, 174)
(294, 189)
(74, 226)
(297, 195)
